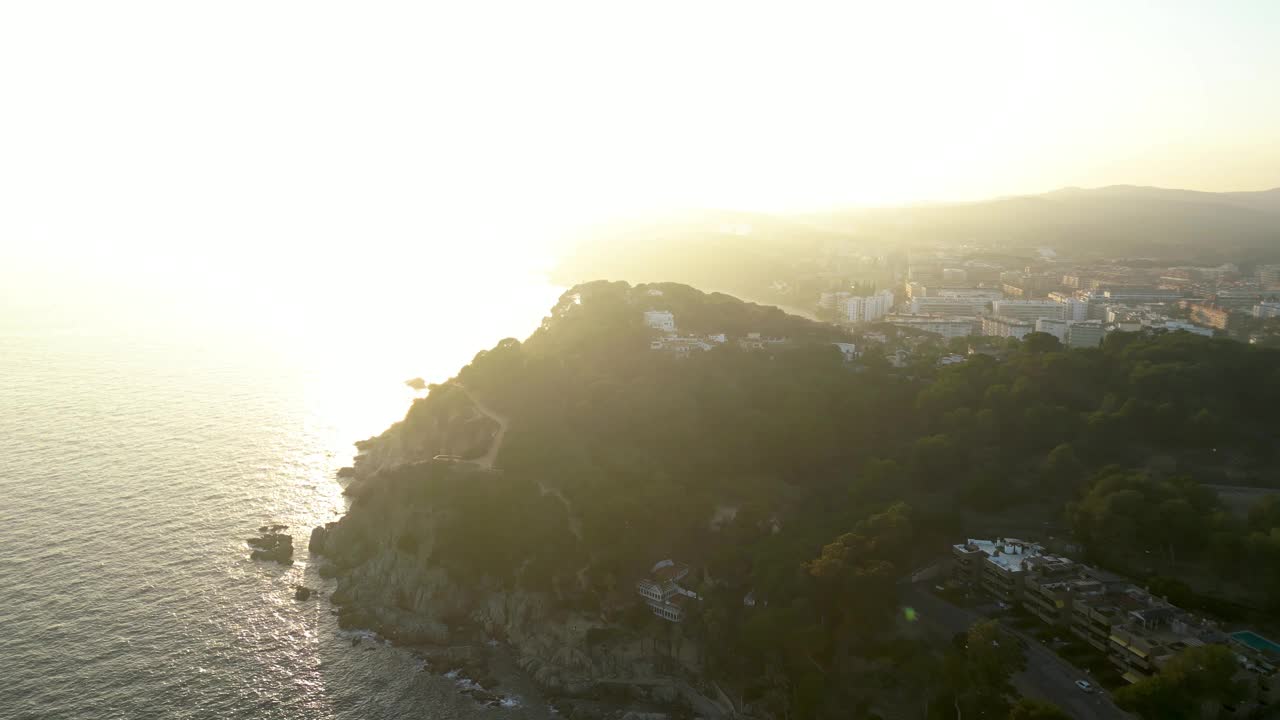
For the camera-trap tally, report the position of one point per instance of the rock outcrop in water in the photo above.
(272, 545)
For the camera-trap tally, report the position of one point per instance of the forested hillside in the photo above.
(814, 484)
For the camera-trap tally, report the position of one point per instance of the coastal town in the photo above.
(979, 292)
(943, 306)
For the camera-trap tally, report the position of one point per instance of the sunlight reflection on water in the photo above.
(134, 461)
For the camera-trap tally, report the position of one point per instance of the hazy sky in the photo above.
(282, 134)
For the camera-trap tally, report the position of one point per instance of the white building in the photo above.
(866, 309)
(1085, 334)
(949, 306)
(1073, 333)
(660, 320)
(1000, 326)
(1175, 325)
(1073, 308)
(662, 590)
(832, 300)
(848, 350)
(680, 346)
(1029, 310)
(1266, 310)
(1056, 328)
(915, 290)
(947, 327)
(971, 292)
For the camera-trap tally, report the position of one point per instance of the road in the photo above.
(1047, 676)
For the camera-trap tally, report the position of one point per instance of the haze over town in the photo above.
(497, 360)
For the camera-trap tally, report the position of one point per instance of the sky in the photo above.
(237, 145)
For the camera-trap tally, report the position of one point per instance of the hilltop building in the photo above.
(660, 320)
(662, 590)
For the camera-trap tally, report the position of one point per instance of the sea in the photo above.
(137, 455)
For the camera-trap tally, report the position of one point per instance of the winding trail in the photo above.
(486, 462)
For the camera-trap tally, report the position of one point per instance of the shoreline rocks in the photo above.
(320, 538)
(272, 545)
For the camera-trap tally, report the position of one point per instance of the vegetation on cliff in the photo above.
(812, 484)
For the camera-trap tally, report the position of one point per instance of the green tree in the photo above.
(1265, 514)
(978, 670)
(1038, 343)
(1032, 709)
(1062, 471)
(1194, 683)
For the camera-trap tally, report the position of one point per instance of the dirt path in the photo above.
(486, 462)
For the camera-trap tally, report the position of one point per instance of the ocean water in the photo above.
(134, 462)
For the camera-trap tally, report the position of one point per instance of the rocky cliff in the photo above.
(445, 422)
(385, 555)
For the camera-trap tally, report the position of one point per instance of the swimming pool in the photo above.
(1256, 641)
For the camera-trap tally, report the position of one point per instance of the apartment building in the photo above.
(1000, 326)
(865, 309)
(949, 306)
(1141, 294)
(1085, 334)
(1139, 632)
(1073, 308)
(999, 566)
(1266, 309)
(1029, 310)
(947, 327)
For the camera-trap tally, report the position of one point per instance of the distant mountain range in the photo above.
(766, 257)
(1115, 220)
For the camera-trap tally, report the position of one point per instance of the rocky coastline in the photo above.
(575, 661)
(463, 633)
(385, 558)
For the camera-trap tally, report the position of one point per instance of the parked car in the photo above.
(1085, 685)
